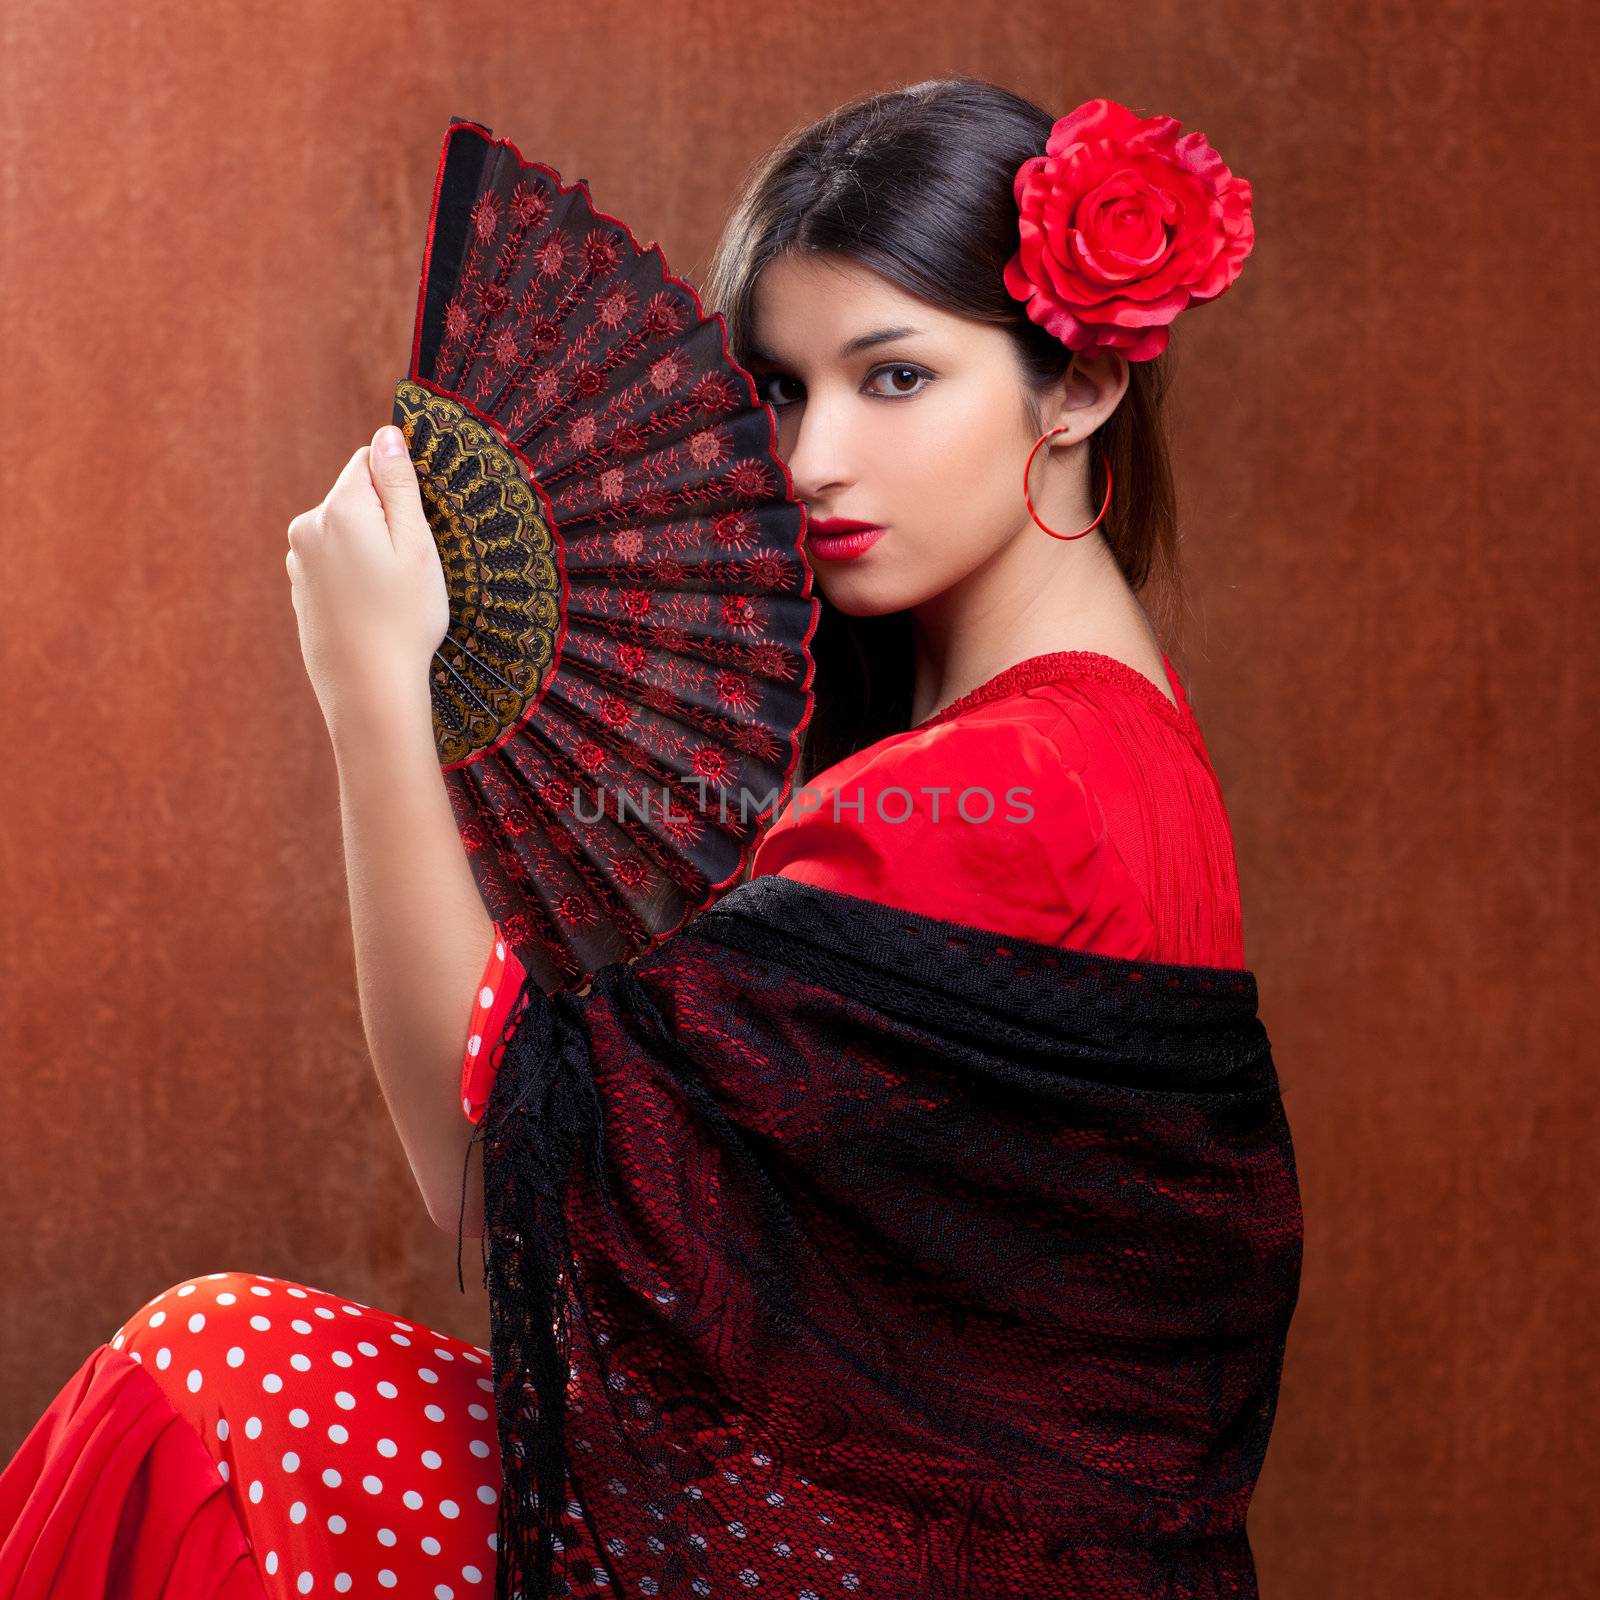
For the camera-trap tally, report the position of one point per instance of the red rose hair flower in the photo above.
(1123, 224)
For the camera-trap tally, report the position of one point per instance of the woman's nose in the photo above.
(812, 448)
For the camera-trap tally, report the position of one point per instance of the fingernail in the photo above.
(390, 442)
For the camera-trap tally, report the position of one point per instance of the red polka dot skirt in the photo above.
(240, 1436)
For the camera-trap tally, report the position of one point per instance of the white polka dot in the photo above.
(485, 1385)
(432, 1458)
(336, 1524)
(299, 1417)
(399, 1338)
(387, 1447)
(257, 1489)
(486, 996)
(272, 1383)
(445, 1355)
(222, 1427)
(323, 1311)
(299, 1294)
(255, 1288)
(299, 1362)
(475, 1410)
(474, 1044)
(332, 1477)
(342, 1582)
(163, 1358)
(272, 1561)
(448, 1508)
(300, 1325)
(188, 1288)
(222, 1467)
(343, 1358)
(261, 1324)
(487, 1495)
(116, 1343)
(367, 1349)
(387, 1578)
(412, 1499)
(194, 1380)
(479, 1447)
(305, 1583)
(297, 1512)
(388, 1536)
(433, 1413)
(466, 1105)
(291, 1462)
(431, 1545)
(472, 1575)
(499, 952)
(372, 1484)
(338, 1433)
(197, 1322)
(157, 1319)
(252, 1428)
(443, 1591)
(226, 1299)
(345, 1400)
(387, 1390)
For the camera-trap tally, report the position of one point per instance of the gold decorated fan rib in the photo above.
(498, 548)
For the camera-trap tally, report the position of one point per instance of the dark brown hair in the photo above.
(915, 183)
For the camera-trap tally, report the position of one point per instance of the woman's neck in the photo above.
(1041, 601)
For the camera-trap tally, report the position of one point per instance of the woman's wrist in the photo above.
(377, 714)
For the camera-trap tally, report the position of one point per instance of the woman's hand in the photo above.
(367, 585)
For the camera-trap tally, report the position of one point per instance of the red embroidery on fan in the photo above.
(529, 207)
(735, 530)
(740, 617)
(766, 573)
(769, 659)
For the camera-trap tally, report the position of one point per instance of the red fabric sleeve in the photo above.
(979, 820)
(498, 989)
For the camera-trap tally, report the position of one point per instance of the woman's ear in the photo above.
(1086, 395)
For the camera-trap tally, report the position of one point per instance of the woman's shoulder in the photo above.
(1054, 726)
(981, 818)
(1025, 741)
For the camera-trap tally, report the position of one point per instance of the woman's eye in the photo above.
(761, 388)
(894, 372)
(899, 370)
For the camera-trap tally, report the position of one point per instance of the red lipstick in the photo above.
(841, 538)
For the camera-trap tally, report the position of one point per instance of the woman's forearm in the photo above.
(421, 936)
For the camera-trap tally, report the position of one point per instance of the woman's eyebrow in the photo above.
(863, 341)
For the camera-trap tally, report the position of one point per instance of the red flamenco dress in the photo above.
(243, 1436)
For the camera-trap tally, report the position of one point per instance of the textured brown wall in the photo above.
(213, 227)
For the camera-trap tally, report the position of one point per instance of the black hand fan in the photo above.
(619, 700)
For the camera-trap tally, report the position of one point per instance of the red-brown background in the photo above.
(213, 227)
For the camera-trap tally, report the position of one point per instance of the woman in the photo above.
(921, 1219)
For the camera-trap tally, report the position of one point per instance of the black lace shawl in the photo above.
(838, 1250)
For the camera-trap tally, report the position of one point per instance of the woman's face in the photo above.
(922, 433)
